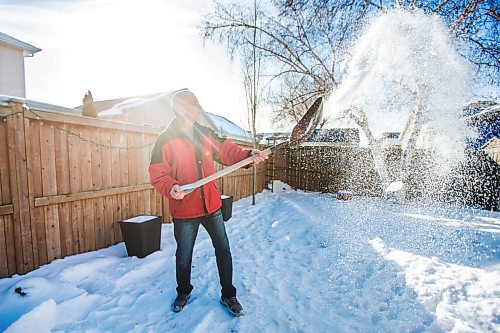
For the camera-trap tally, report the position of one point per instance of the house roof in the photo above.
(341, 135)
(122, 106)
(4, 99)
(109, 103)
(330, 135)
(476, 107)
(28, 49)
(159, 103)
(491, 111)
(228, 128)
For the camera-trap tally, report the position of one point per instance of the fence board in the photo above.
(88, 205)
(33, 224)
(6, 209)
(147, 151)
(4, 268)
(152, 203)
(10, 245)
(63, 187)
(96, 160)
(145, 158)
(13, 134)
(37, 214)
(49, 187)
(89, 224)
(109, 237)
(140, 168)
(75, 185)
(139, 155)
(123, 200)
(146, 202)
(116, 181)
(23, 190)
(132, 174)
(156, 210)
(97, 185)
(4, 166)
(5, 199)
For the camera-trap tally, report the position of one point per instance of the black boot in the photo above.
(233, 305)
(180, 302)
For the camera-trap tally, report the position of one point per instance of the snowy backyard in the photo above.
(304, 262)
(401, 79)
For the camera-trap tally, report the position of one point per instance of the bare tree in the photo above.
(251, 59)
(305, 43)
(302, 49)
(251, 62)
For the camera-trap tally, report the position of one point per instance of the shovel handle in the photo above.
(188, 188)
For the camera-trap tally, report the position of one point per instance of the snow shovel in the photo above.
(299, 134)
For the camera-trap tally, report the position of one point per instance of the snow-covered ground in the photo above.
(304, 262)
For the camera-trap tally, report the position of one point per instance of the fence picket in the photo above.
(75, 185)
(49, 187)
(109, 237)
(97, 181)
(31, 198)
(63, 187)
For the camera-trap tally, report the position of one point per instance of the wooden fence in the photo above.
(329, 169)
(66, 181)
(475, 180)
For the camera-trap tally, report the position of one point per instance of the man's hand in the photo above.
(257, 156)
(176, 192)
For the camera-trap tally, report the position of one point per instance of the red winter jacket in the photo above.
(178, 160)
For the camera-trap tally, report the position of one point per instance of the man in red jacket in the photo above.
(183, 154)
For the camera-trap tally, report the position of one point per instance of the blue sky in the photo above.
(119, 48)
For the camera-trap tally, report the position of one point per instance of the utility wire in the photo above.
(78, 135)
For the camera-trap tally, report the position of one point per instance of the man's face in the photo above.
(187, 106)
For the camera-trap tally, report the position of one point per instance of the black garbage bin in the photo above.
(227, 206)
(142, 235)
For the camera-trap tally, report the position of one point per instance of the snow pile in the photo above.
(406, 61)
(394, 187)
(463, 298)
(40, 319)
(303, 262)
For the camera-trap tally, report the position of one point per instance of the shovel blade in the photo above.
(307, 124)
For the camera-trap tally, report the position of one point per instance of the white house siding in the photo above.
(12, 71)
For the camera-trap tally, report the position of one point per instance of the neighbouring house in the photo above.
(155, 110)
(4, 100)
(273, 138)
(484, 117)
(318, 137)
(492, 148)
(335, 136)
(390, 139)
(12, 74)
(230, 129)
(481, 183)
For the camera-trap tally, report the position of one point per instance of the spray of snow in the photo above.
(406, 61)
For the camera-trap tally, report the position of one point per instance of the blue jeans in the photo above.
(185, 232)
